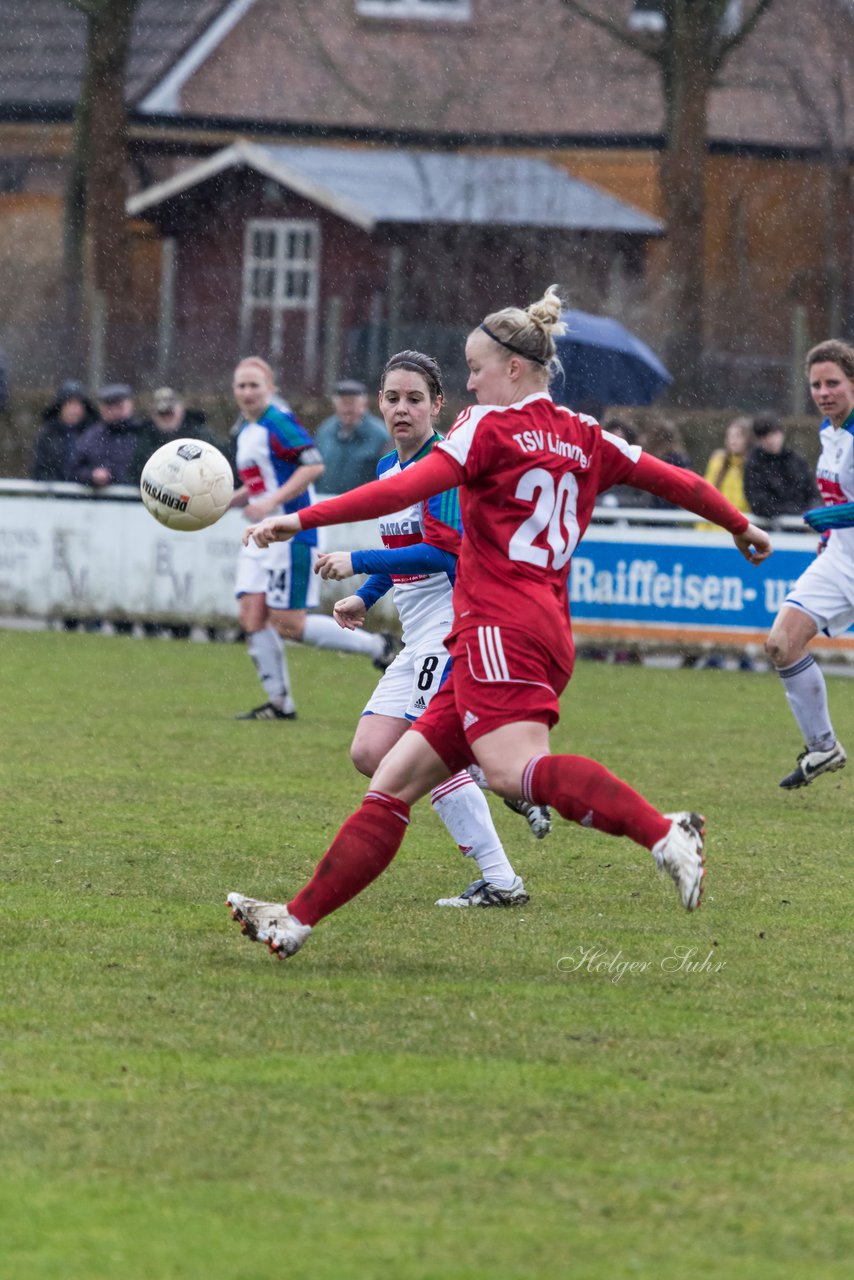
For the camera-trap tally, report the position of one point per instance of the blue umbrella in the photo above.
(604, 363)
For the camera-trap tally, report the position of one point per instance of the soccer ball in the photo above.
(187, 484)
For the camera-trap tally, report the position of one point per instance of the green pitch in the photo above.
(596, 1086)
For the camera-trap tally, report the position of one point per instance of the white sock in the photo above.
(806, 694)
(267, 651)
(323, 632)
(463, 808)
(478, 777)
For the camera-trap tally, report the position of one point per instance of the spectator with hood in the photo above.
(63, 423)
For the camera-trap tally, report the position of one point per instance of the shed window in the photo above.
(428, 10)
(281, 264)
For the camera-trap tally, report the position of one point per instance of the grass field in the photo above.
(420, 1093)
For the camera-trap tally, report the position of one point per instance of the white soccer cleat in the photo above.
(812, 763)
(680, 854)
(483, 894)
(256, 917)
(285, 938)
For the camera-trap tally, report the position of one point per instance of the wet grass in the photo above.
(596, 1086)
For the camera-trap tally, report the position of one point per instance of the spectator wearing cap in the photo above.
(351, 441)
(777, 481)
(172, 417)
(63, 422)
(172, 420)
(108, 452)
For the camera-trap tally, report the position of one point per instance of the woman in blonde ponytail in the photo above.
(528, 473)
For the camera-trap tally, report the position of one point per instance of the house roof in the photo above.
(42, 46)
(384, 184)
(325, 65)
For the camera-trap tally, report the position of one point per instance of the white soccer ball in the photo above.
(187, 484)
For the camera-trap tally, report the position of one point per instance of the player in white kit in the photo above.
(822, 599)
(278, 462)
(418, 563)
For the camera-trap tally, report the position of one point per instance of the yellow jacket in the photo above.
(729, 482)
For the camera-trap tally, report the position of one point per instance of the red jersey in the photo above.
(528, 476)
(531, 475)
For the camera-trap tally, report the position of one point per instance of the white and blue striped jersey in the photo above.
(269, 451)
(835, 478)
(422, 599)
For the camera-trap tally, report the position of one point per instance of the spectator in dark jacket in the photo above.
(65, 419)
(777, 481)
(172, 420)
(109, 451)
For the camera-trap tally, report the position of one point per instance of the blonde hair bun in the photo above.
(530, 332)
(546, 312)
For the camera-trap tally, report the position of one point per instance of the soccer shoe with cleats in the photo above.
(391, 648)
(255, 917)
(483, 894)
(286, 937)
(269, 711)
(680, 854)
(538, 816)
(812, 763)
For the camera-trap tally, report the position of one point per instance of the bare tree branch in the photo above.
(616, 29)
(741, 33)
(690, 47)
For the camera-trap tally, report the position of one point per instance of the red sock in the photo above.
(583, 791)
(363, 848)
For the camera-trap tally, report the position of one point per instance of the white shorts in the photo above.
(409, 683)
(826, 592)
(283, 573)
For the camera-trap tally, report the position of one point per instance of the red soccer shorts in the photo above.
(500, 676)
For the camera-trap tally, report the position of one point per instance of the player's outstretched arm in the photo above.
(840, 516)
(335, 565)
(754, 544)
(691, 492)
(273, 529)
(433, 474)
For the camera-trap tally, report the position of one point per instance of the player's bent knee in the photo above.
(365, 761)
(781, 651)
(505, 782)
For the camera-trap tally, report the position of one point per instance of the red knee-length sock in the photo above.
(363, 848)
(583, 791)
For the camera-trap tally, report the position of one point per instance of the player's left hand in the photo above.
(754, 544)
(334, 564)
(274, 529)
(350, 612)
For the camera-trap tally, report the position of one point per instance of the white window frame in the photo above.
(422, 10)
(281, 264)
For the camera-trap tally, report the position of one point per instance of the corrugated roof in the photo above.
(383, 184)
